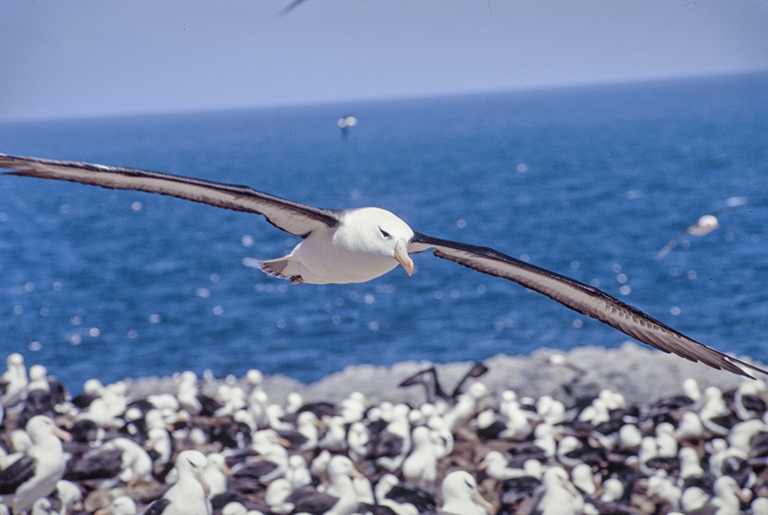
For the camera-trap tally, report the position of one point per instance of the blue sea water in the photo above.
(589, 182)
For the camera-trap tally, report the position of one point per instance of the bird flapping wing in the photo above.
(582, 298)
(292, 217)
(670, 245)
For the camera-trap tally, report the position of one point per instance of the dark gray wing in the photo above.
(731, 204)
(477, 370)
(428, 378)
(157, 507)
(582, 298)
(17, 473)
(292, 217)
(292, 6)
(97, 464)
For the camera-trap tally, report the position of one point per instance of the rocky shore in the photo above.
(625, 430)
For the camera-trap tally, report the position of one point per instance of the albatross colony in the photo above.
(358, 245)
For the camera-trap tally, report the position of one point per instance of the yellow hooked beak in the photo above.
(63, 435)
(402, 257)
(479, 499)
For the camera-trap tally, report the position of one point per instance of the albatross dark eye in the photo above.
(384, 233)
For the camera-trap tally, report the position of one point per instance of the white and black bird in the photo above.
(461, 497)
(435, 393)
(189, 496)
(35, 473)
(358, 245)
(346, 122)
(703, 226)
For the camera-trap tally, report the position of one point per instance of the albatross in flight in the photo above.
(705, 225)
(357, 245)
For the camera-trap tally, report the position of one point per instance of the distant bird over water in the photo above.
(342, 246)
(345, 123)
(705, 225)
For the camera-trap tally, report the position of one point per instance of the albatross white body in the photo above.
(357, 245)
(362, 247)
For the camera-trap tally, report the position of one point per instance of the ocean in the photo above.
(589, 182)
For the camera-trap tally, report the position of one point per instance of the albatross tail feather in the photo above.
(283, 268)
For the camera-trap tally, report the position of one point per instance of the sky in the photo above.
(83, 58)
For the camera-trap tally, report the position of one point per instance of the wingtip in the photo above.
(739, 366)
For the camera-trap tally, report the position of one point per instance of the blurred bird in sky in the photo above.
(705, 225)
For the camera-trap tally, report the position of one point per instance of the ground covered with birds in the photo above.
(592, 431)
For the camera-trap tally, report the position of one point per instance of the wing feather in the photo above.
(292, 217)
(17, 473)
(582, 298)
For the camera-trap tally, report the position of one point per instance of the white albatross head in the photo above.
(461, 497)
(378, 232)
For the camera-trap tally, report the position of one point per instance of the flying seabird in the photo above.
(13, 382)
(345, 123)
(291, 6)
(357, 245)
(705, 225)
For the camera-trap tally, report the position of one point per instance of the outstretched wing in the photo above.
(292, 6)
(582, 298)
(292, 217)
(670, 245)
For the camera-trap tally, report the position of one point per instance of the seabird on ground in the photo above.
(104, 462)
(393, 497)
(189, 495)
(298, 474)
(750, 399)
(690, 427)
(428, 379)
(358, 245)
(358, 441)
(496, 466)
(420, 467)
(353, 408)
(215, 474)
(558, 496)
(122, 505)
(394, 443)
(14, 380)
(583, 479)
(461, 497)
(435, 393)
(339, 498)
(335, 437)
(276, 494)
(466, 406)
(35, 473)
(662, 487)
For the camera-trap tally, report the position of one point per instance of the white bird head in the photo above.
(40, 427)
(192, 463)
(376, 231)
(460, 492)
(705, 225)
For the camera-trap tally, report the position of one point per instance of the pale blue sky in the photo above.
(96, 57)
